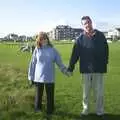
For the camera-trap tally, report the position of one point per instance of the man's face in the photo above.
(87, 25)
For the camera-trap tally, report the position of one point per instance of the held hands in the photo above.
(67, 73)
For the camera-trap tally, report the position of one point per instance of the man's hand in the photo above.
(69, 74)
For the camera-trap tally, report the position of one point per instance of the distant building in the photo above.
(61, 32)
(105, 33)
(76, 32)
(64, 32)
(114, 34)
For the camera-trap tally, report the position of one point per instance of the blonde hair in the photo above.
(42, 35)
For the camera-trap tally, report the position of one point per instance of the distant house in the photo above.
(114, 34)
(118, 32)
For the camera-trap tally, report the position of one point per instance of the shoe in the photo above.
(49, 112)
(37, 110)
(100, 114)
(84, 113)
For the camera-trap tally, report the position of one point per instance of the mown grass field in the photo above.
(17, 98)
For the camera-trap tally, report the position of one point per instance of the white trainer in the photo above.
(84, 113)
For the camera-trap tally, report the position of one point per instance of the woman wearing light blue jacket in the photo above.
(42, 71)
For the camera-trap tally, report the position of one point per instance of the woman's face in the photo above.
(43, 41)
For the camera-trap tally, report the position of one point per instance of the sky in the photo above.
(28, 17)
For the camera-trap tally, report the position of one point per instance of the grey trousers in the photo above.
(94, 81)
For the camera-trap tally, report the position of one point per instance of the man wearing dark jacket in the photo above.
(91, 49)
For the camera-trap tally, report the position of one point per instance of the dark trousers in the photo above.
(49, 87)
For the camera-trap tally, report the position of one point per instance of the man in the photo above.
(91, 49)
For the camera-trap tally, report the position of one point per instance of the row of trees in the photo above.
(17, 38)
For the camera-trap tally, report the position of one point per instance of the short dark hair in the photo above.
(85, 17)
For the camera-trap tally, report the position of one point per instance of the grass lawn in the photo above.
(17, 97)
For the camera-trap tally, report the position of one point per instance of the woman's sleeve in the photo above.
(32, 65)
(59, 62)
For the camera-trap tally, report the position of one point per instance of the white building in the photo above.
(114, 33)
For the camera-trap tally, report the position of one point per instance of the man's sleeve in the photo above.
(106, 49)
(74, 56)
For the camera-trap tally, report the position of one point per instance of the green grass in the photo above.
(17, 98)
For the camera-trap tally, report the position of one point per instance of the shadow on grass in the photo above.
(112, 116)
(89, 117)
(20, 114)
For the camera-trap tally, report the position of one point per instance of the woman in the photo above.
(42, 71)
